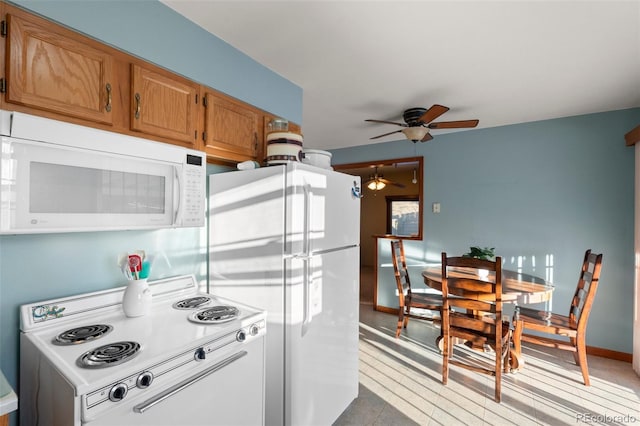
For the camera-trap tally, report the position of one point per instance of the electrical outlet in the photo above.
(435, 207)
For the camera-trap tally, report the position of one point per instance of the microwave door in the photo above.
(64, 188)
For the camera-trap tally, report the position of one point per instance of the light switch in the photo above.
(435, 207)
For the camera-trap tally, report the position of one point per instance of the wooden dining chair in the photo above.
(472, 312)
(567, 332)
(406, 298)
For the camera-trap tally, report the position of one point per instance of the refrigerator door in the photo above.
(324, 209)
(246, 248)
(321, 371)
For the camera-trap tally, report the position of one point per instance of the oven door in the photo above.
(227, 391)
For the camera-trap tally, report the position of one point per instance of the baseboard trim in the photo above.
(608, 353)
(387, 310)
(591, 350)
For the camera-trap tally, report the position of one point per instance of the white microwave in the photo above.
(61, 177)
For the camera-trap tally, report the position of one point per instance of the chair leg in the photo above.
(498, 378)
(445, 359)
(576, 357)
(406, 317)
(400, 320)
(582, 358)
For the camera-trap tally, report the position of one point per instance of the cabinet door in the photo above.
(164, 104)
(56, 70)
(231, 128)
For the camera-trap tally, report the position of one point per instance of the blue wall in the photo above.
(549, 188)
(40, 267)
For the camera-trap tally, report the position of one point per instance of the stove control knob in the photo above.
(144, 380)
(254, 330)
(241, 336)
(200, 354)
(118, 392)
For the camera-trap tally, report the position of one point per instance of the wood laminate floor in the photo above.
(400, 384)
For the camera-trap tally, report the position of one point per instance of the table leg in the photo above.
(516, 361)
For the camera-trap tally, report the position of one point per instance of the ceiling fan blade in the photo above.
(426, 138)
(454, 124)
(386, 122)
(433, 113)
(389, 182)
(386, 134)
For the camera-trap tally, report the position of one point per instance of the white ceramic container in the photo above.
(283, 147)
(136, 300)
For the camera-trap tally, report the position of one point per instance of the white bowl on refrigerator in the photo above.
(317, 157)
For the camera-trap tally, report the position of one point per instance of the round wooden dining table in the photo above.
(517, 288)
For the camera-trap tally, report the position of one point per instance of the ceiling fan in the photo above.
(377, 182)
(418, 122)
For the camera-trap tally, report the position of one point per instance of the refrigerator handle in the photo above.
(306, 296)
(306, 232)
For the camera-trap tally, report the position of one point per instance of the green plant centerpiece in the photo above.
(485, 253)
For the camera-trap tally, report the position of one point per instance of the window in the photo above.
(403, 215)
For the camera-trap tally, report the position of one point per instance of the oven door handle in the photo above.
(146, 405)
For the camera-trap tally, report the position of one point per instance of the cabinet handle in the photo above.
(255, 141)
(137, 114)
(108, 106)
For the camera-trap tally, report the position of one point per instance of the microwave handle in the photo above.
(177, 191)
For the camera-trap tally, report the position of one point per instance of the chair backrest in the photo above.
(585, 290)
(465, 289)
(400, 269)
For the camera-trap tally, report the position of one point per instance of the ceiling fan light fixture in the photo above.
(415, 133)
(376, 185)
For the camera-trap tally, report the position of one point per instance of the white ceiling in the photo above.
(502, 62)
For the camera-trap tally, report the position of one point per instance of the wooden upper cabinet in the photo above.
(231, 128)
(633, 137)
(164, 104)
(55, 72)
(53, 69)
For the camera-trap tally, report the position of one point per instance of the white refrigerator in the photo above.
(286, 239)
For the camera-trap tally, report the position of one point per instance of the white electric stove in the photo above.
(194, 359)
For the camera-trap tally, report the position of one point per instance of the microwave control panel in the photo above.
(194, 191)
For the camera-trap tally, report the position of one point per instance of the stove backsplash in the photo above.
(48, 266)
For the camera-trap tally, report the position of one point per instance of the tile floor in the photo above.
(400, 384)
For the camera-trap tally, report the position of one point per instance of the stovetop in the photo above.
(157, 336)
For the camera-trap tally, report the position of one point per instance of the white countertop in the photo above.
(8, 398)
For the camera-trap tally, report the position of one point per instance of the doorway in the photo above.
(383, 182)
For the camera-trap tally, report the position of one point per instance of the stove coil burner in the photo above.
(82, 334)
(192, 303)
(215, 314)
(108, 355)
